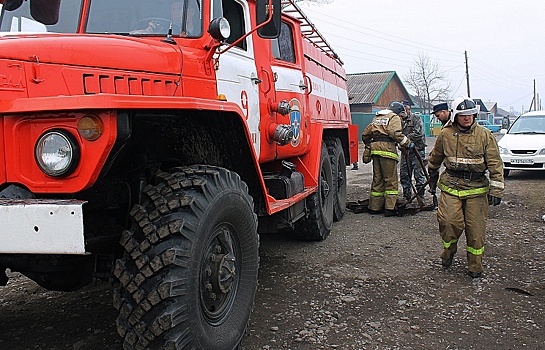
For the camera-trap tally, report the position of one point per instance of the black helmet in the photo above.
(396, 107)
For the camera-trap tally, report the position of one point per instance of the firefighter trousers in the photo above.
(456, 215)
(410, 169)
(384, 186)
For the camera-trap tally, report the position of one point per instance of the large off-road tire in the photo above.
(189, 274)
(316, 225)
(338, 166)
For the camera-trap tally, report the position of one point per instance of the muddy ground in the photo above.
(375, 283)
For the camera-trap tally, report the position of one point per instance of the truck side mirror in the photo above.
(11, 5)
(272, 29)
(45, 11)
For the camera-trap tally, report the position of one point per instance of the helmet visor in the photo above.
(466, 107)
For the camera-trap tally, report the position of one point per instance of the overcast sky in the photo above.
(504, 40)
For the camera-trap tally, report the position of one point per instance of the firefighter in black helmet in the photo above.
(382, 134)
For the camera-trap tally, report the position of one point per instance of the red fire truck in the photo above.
(154, 140)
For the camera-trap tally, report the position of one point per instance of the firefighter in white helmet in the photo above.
(472, 179)
(382, 134)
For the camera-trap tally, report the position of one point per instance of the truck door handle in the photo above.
(266, 87)
(306, 88)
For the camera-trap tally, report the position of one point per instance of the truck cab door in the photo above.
(292, 86)
(236, 75)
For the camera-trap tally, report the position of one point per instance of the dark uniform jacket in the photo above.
(413, 128)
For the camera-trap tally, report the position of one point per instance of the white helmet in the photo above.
(463, 106)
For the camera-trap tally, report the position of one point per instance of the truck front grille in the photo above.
(128, 85)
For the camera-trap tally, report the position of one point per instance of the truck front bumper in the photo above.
(41, 226)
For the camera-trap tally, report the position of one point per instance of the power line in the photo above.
(503, 77)
(520, 99)
(369, 54)
(482, 72)
(455, 93)
(342, 20)
(372, 45)
(491, 79)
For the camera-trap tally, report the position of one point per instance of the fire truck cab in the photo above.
(152, 141)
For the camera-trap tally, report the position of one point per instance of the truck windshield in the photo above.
(127, 17)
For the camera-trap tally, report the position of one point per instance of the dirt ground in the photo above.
(375, 283)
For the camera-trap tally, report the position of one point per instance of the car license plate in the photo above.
(522, 161)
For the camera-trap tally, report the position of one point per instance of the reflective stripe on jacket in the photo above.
(473, 151)
(385, 124)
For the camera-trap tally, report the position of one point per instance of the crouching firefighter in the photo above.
(468, 151)
(381, 135)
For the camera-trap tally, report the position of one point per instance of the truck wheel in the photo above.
(317, 224)
(189, 273)
(338, 166)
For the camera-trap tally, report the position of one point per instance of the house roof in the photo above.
(419, 103)
(368, 87)
(490, 105)
(503, 113)
(480, 102)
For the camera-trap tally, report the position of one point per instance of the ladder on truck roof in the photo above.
(308, 29)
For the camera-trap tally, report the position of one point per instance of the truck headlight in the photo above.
(219, 28)
(57, 153)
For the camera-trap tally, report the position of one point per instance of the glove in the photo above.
(366, 156)
(492, 200)
(434, 177)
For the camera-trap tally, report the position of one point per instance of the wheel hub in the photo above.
(218, 274)
(223, 273)
(325, 188)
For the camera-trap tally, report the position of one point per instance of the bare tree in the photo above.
(428, 82)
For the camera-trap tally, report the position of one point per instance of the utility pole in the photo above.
(467, 75)
(535, 99)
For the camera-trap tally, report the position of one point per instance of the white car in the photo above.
(522, 147)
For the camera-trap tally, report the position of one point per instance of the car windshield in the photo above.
(528, 125)
(127, 17)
